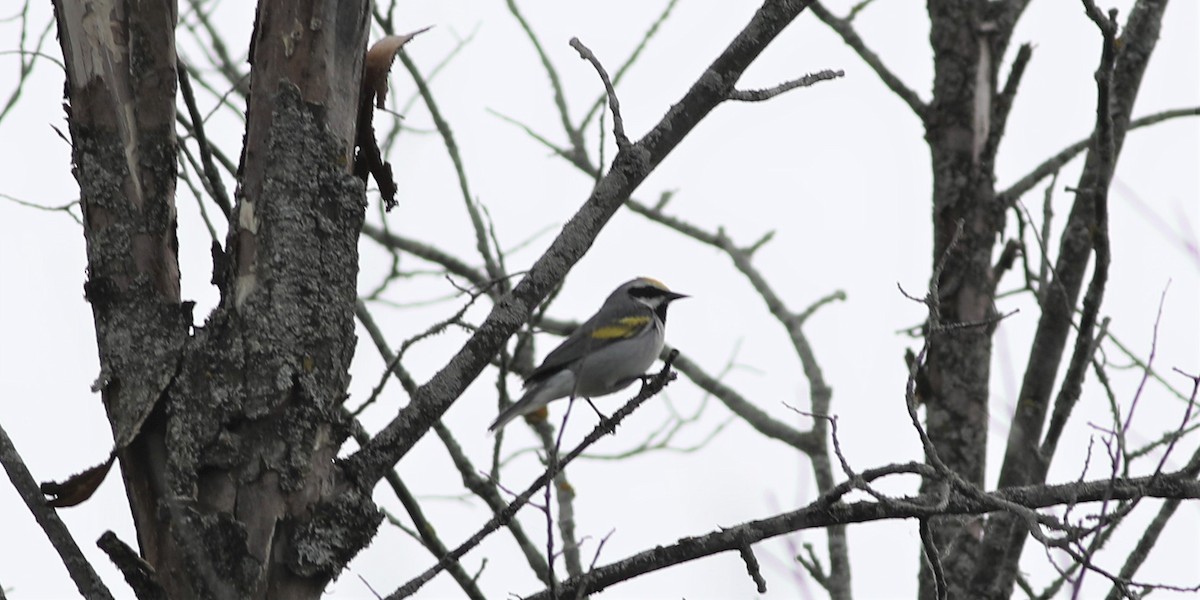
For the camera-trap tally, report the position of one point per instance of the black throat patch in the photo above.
(661, 311)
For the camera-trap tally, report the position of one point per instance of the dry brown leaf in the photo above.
(379, 63)
(78, 487)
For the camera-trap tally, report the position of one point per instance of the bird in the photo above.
(606, 354)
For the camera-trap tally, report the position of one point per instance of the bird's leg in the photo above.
(598, 413)
(605, 421)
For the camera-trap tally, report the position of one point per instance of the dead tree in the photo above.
(227, 433)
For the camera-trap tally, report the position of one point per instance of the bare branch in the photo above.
(633, 56)
(575, 136)
(935, 560)
(1098, 193)
(437, 328)
(595, 557)
(565, 496)
(758, 419)
(425, 531)
(1028, 454)
(28, 58)
(844, 29)
(481, 239)
(222, 60)
(64, 208)
(470, 475)
(824, 512)
(424, 251)
(1004, 101)
(1148, 540)
(189, 160)
(768, 93)
(812, 564)
(1053, 164)
(215, 184)
(138, 573)
(752, 568)
(653, 386)
(86, 581)
(575, 158)
(630, 169)
(614, 105)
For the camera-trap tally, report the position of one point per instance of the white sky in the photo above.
(839, 170)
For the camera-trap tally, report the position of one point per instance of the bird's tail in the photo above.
(533, 399)
(560, 384)
(517, 409)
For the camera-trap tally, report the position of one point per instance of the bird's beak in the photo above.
(672, 296)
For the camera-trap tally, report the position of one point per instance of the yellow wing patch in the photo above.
(623, 328)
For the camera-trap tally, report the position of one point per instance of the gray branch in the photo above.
(86, 581)
(844, 29)
(630, 168)
(771, 92)
(1053, 164)
(825, 513)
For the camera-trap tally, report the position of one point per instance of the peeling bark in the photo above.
(226, 435)
(959, 359)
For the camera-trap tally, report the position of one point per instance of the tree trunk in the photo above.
(1027, 459)
(227, 433)
(967, 219)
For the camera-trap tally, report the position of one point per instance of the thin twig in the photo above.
(929, 545)
(614, 105)
(1055, 163)
(481, 238)
(215, 185)
(633, 56)
(579, 595)
(424, 530)
(575, 135)
(64, 208)
(844, 29)
(752, 568)
(435, 329)
(471, 480)
(654, 385)
(771, 92)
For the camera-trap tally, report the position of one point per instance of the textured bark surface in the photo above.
(120, 62)
(964, 126)
(1025, 461)
(965, 212)
(227, 435)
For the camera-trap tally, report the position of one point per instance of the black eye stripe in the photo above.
(645, 292)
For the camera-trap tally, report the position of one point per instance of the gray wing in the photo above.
(591, 336)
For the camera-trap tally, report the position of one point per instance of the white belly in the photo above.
(614, 367)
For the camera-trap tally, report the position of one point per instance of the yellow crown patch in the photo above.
(654, 282)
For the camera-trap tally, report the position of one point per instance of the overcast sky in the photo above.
(839, 171)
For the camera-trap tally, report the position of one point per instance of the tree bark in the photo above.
(227, 435)
(966, 219)
(1025, 462)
